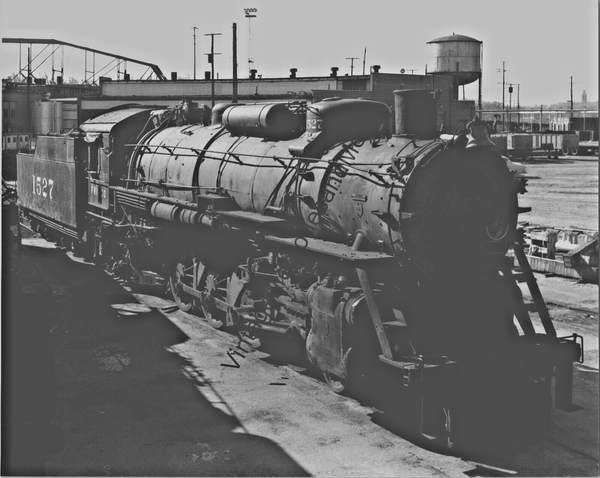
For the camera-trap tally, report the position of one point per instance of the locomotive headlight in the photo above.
(498, 229)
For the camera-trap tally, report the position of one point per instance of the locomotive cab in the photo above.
(110, 137)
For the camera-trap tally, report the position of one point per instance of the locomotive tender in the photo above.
(315, 222)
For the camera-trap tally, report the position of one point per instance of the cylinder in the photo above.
(49, 117)
(416, 113)
(174, 213)
(57, 122)
(167, 212)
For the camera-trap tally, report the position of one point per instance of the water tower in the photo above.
(458, 56)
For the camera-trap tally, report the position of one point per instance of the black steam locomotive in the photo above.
(315, 222)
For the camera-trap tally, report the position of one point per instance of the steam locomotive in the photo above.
(315, 223)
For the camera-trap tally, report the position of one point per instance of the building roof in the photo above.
(454, 38)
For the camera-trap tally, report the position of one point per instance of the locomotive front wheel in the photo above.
(185, 276)
(209, 310)
(208, 315)
(181, 276)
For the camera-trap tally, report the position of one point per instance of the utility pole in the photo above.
(571, 97)
(572, 105)
(352, 64)
(211, 60)
(503, 93)
(518, 105)
(28, 116)
(503, 81)
(194, 29)
(20, 68)
(235, 65)
(510, 91)
(54, 70)
(364, 60)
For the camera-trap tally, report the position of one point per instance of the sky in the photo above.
(543, 43)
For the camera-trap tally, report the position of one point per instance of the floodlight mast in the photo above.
(194, 28)
(250, 13)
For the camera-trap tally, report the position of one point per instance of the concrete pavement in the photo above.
(145, 389)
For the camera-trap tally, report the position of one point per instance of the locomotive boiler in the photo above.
(316, 223)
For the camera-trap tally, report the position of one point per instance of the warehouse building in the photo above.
(375, 86)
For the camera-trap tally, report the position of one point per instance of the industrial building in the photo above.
(375, 86)
(34, 108)
(458, 63)
(56, 109)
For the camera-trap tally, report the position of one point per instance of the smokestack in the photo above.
(416, 113)
(376, 68)
(334, 70)
(293, 72)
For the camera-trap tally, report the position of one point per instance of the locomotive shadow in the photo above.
(27, 382)
(486, 430)
(487, 433)
(127, 403)
(483, 433)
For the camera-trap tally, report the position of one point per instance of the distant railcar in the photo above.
(523, 145)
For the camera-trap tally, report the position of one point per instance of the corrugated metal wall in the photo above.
(186, 89)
